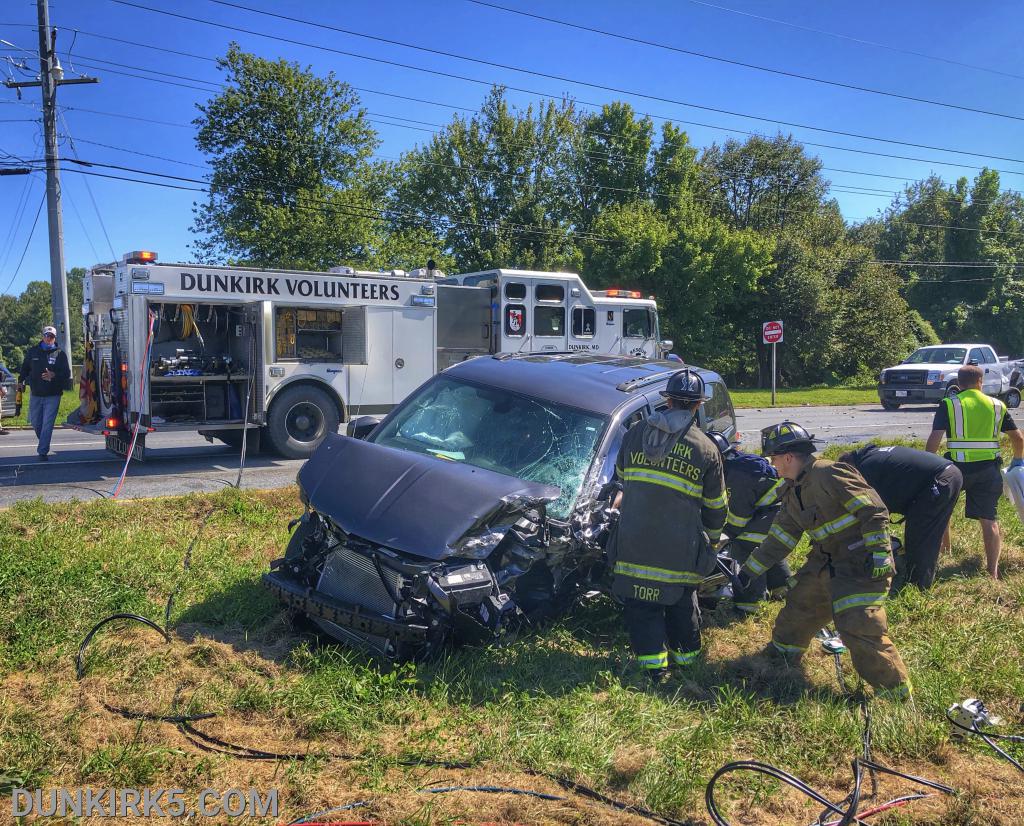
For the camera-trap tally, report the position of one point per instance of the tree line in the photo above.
(724, 236)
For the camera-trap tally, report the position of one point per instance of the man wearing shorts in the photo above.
(972, 424)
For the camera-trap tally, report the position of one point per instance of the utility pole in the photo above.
(51, 75)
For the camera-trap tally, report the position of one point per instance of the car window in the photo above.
(718, 407)
(584, 321)
(977, 354)
(549, 321)
(990, 356)
(498, 430)
(636, 323)
(937, 355)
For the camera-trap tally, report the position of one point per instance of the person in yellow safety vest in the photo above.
(847, 573)
(972, 423)
(672, 511)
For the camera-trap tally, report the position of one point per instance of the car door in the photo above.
(990, 378)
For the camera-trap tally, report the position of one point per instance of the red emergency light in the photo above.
(113, 422)
(140, 257)
(623, 294)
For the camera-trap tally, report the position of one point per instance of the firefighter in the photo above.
(672, 512)
(847, 572)
(972, 423)
(753, 489)
(921, 486)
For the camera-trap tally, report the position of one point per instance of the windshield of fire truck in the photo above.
(494, 429)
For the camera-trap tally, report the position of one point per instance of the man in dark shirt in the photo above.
(921, 486)
(972, 423)
(47, 371)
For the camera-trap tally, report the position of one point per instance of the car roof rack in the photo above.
(642, 381)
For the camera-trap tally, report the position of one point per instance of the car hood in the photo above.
(409, 501)
(927, 368)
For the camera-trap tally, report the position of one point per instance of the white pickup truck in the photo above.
(930, 373)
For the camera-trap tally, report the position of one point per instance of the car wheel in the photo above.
(1013, 398)
(299, 419)
(890, 405)
(952, 390)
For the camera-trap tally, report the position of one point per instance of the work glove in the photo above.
(1016, 463)
(882, 565)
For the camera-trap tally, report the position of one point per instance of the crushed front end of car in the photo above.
(403, 553)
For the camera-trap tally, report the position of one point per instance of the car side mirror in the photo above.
(974, 362)
(666, 346)
(361, 426)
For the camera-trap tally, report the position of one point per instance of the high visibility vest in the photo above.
(975, 421)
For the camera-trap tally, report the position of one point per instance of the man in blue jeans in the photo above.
(48, 372)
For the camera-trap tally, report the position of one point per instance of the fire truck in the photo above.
(284, 357)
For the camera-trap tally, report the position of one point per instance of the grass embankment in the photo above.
(69, 401)
(798, 396)
(567, 700)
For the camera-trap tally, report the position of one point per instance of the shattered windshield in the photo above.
(937, 355)
(531, 439)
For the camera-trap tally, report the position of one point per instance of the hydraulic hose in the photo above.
(80, 657)
(990, 738)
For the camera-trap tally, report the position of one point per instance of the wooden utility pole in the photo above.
(51, 75)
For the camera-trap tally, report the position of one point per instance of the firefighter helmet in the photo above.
(721, 442)
(685, 386)
(784, 438)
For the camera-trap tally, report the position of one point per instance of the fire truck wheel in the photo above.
(299, 419)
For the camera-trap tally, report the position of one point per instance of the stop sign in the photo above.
(771, 332)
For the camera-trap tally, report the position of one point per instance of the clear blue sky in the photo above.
(985, 33)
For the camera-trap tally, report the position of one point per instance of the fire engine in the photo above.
(238, 353)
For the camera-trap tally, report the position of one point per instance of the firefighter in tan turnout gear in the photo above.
(847, 573)
(673, 509)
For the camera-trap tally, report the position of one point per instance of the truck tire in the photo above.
(1012, 398)
(890, 405)
(299, 419)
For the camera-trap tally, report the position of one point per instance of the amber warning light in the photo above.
(140, 257)
(623, 294)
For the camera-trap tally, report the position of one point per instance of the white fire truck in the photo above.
(237, 353)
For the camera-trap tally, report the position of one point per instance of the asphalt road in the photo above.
(178, 463)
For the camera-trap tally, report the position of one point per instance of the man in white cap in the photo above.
(48, 372)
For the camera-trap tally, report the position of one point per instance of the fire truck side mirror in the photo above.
(362, 426)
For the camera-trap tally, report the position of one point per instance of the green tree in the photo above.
(290, 153)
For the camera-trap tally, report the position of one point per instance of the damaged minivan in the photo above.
(479, 505)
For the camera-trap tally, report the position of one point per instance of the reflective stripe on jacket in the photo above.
(975, 422)
(840, 512)
(670, 509)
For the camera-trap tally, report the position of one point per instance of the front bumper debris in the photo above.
(317, 605)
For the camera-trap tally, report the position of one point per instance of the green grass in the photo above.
(567, 700)
(68, 402)
(797, 396)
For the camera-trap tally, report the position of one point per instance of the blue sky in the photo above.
(132, 216)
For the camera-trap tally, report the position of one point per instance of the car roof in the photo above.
(599, 383)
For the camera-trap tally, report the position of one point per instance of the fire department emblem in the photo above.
(515, 320)
(106, 382)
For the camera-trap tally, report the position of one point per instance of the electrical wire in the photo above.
(143, 376)
(454, 76)
(28, 241)
(704, 56)
(859, 40)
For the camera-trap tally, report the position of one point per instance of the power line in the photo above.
(88, 188)
(717, 58)
(858, 40)
(28, 241)
(558, 78)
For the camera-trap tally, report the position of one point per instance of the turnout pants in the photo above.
(775, 580)
(926, 520)
(664, 634)
(856, 604)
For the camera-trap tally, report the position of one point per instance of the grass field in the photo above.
(797, 396)
(68, 403)
(567, 700)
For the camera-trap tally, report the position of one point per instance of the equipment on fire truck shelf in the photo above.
(314, 349)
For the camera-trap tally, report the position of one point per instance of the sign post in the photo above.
(771, 333)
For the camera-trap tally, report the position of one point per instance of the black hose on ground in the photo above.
(80, 656)
(990, 738)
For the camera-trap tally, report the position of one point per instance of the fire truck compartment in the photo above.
(200, 364)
